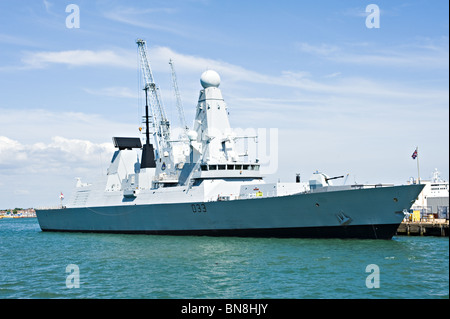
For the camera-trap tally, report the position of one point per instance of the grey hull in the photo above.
(358, 213)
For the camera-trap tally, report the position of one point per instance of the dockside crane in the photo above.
(178, 98)
(160, 123)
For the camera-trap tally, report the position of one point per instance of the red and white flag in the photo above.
(61, 196)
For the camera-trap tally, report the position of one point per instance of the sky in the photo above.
(341, 93)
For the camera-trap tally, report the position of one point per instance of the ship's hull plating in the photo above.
(363, 213)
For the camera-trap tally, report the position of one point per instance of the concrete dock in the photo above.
(423, 228)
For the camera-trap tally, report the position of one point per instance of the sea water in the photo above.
(36, 264)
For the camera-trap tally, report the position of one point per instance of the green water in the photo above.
(33, 265)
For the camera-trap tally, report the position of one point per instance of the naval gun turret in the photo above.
(319, 180)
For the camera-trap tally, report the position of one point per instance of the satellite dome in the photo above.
(210, 78)
(192, 135)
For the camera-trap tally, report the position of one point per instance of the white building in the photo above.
(434, 198)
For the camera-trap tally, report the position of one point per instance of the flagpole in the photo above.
(61, 197)
(418, 171)
(418, 178)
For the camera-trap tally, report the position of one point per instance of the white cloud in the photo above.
(159, 58)
(424, 54)
(121, 92)
(16, 40)
(41, 152)
(42, 157)
(140, 17)
(135, 17)
(74, 150)
(47, 5)
(322, 49)
(302, 80)
(190, 63)
(358, 12)
(38, 125)
(117, 58)
(332, 75)
(395, 59)
(34, 174)
(11, 151)
(344, 93)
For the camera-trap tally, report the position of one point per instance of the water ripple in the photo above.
(34, 265)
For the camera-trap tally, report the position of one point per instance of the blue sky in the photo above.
(344, 98)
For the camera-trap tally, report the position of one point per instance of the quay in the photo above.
(424, 228)
(17, 213)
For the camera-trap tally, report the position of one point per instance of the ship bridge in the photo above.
(235, 170)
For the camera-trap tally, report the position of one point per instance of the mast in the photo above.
(148, 155)
(418, 171)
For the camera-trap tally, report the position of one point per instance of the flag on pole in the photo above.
(61, 197)
(414, 155)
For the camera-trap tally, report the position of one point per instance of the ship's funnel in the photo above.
(148, 156)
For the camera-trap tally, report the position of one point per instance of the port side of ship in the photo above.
(201, 185)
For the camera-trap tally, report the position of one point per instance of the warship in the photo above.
(201, 185)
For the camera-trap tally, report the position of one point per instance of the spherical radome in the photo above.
(210, 78)
(192, 135)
